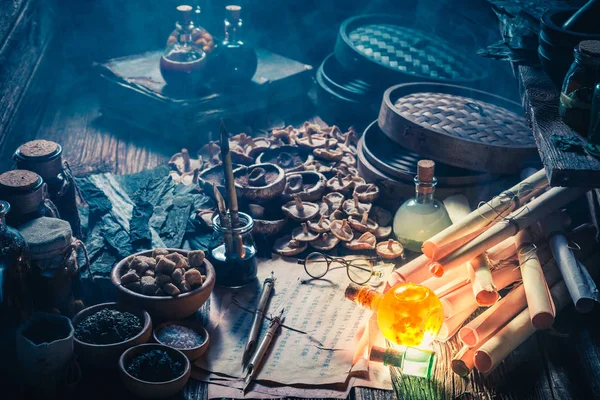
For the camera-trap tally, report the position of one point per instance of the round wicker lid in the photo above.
(459, 126)
(400, 163)
(384, 46)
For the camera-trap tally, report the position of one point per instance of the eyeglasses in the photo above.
(359, 270)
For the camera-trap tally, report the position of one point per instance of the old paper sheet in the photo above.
(322, 356)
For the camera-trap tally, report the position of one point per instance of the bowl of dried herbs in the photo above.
(104, 331)
(154, 371)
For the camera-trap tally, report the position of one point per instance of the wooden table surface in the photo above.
(560, 364)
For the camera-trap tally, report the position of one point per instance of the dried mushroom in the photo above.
(302, 233)
(348, 159)
(260, 182)
(380, 215)
(286, 246)
(382, 232)
(257, 146)
(205, 217)
(210, 153)
(366, 241)
(337, 215)
(316, 166)
(183, 163)
(256, 211)
(300, 211)
(367, 193)
(308, 185)
(268, 227)
(190, 178)
(327, 153)
(340, 183)
(214, 176)
(311, 140)
(320, 226)
(238, 156)
(355, 208)
(325, 242)
(364, 224)
(286, 135)
(342, 230)
(290, 158)
(390, 249)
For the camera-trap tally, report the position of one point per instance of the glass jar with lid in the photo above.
(578, 86)
(28, 195)
(200, 36)
(593, 139)
(54, 276)
(232, 251)
(44, 157)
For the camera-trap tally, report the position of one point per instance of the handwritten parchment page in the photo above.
(320, 356)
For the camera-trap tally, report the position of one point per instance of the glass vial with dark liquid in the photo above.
(182, 64)
(235, 61)
(233, 253)
(45, 159)
(28, 195)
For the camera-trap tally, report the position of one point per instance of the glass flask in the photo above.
(200, 36)
(423, 216)
(235, 61)
(14, 254)
(232, 252)
(182, 64)
(407, 315)
(593, 139)
(28, 195)
(578, 86)
(45, 159)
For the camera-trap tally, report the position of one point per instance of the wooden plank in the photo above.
(540, 100)
(9, 14)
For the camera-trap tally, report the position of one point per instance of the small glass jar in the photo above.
(233, 252)
(200, 36)
(593, 144)
(45, 159)
(578, 86)
(28, 195)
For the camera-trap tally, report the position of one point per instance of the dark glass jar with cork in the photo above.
(44, 157)
(28, 195)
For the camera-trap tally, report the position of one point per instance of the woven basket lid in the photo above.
(459, 126)
(396, 161)
(46, 237)
(383, 47)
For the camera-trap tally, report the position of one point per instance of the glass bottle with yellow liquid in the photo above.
(408, 314)
(423, 216)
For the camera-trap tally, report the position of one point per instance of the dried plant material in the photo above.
(380, 215)
(177, 276)
(256, 211)
(382, 232)
(302, 233)
(268, 227)
(175, 176)
(328, 153)
(363, 223)
(159, 252)
(149, 285)
(300, 211)
(366, 241)
(348, 159)
(390, 249)
(182, 162)
(342, 230)
(289, 158)
(325, 242)
(210, 153)
(334, 201)
(311, 141)
(339, 183)
(355, 208)
(175, 257)
(165, 266)
(366, 193)
(257, 146)
(348, 170)
(206, 217)
(163, 279)
(184, 287)
(193, 277)
(171, 289)
(320, 226)
(129, 277)
(287, 246)
(317, 166)
(190, 178)
(337, 215)
(260, 182)
(308, 185)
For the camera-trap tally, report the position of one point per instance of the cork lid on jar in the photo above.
(19, 180)
(38, 149)
(590, 48)
(425, 170)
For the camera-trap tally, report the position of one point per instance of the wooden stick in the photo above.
(522, 218)
(230, 188)
(223, 218)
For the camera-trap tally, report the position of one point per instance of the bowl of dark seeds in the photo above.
(104, 331)
(189, 337)
(154, 371)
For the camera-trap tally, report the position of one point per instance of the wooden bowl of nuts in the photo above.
(168, 283)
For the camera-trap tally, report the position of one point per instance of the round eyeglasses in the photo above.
(359, 270)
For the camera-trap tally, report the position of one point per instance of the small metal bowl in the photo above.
(192, 353)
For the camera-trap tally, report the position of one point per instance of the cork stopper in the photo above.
(20, 180)
(425, 170)
(38, 149)
(590, 48)
(352, 291)
(233, 12)
(185, 13)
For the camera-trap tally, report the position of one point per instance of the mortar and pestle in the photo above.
(561, 30)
